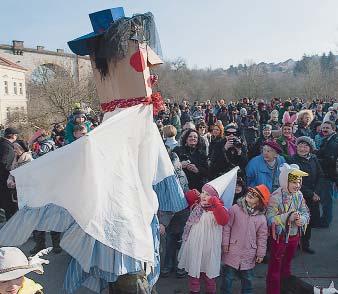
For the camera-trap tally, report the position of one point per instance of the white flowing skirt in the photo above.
(201, 253)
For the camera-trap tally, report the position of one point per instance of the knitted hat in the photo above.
(11, 131)
(262, 192)
(267, 126)
(274, 145)
(307, 140)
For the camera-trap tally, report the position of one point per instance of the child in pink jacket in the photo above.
(244, 238)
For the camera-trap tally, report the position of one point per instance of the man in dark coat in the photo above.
(6, 160)
(309, 163)
(327, 156)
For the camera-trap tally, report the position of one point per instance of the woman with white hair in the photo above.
(305, 118)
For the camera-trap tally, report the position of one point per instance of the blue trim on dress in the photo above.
(170, 195)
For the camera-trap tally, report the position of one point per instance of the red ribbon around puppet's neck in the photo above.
(155, 99)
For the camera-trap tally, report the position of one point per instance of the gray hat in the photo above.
(308, 141)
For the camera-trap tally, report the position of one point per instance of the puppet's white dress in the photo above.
(100, 191)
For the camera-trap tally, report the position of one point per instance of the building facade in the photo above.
(32, 58)
(12, 89)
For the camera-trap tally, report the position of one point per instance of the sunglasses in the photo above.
(231, 133)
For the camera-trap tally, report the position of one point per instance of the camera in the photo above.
(237, 142)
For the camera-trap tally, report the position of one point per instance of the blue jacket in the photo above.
(258, 172)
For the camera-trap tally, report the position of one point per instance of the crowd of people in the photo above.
(286, 152)
(206, 140)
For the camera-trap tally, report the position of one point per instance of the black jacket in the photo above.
(327, 155)
(6, 157)
(222, 161)
(311, 166)
(197, 157)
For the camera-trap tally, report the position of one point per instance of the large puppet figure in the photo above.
(114, 179)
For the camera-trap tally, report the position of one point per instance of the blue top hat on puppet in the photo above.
(101, 21)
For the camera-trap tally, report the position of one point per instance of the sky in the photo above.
(206, 34)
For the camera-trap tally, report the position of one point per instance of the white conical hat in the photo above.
(225, 186)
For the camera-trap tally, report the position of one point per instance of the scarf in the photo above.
(30, 287)
(291, 145)
(241, 202)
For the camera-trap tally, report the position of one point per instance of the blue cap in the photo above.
(101, 21)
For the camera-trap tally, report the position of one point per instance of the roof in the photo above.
(8, 63)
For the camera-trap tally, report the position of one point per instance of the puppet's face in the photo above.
(11, 287)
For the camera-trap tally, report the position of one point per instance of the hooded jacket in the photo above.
(282, 204)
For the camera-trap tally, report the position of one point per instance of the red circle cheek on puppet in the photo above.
(137, 61)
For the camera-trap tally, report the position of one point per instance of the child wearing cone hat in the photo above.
(288, 217)
(14, 265)
(244, 238)
(200, 253)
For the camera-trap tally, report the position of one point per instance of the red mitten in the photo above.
(192, 197)
(215, 201)
(221, 214)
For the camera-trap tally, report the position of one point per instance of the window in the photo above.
(8, 112)
(15, 88)
(6, 87)
(22, 108)
(20, 89)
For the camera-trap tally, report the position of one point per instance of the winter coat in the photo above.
(185, 117)
(327, 155)
(171, 143)
(246, 236)
(258, 172)
(221, 161)
(197, 157)
(176, 122)
(7, 156)
(310, 165)
(45, 146)
(302, 131)
(179, 171)
(280, 207)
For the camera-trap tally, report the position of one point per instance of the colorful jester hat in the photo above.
(290, 173)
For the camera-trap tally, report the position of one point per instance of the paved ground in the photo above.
(323, 264)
